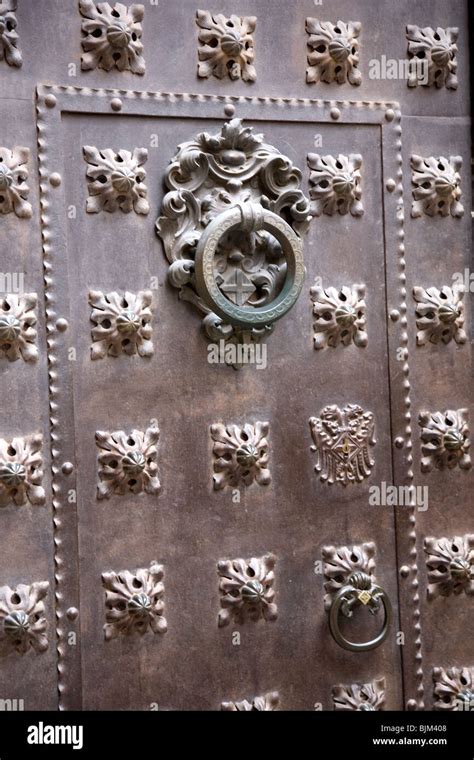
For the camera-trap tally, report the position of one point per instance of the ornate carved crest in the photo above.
(13, 188)
(335, 184)
(360, 697)
(21, 472)
(111, 36)
(22, 621)
(240, 455)
(436, 186)
(265, 703)
(122, 323)
(437, 47)
(9, 50)
(17, 331)
(453, 688)
(225, 191)
(342, 438)
(127, 462)
(339, 316)
(450, 564)
(226, 46)
(444, 440)
(333, 52)
(116, 180)
(246, 589)
(439, 314)
(134, 601)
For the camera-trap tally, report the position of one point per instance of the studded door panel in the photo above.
(194, 534)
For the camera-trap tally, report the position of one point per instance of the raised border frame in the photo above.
(52, 101)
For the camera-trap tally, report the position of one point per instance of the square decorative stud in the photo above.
(226, 46)
(445, 440)
(21, 471)
(342, 438)
(437, 49)
(453, 689)
(13, 188)
(360, 697)
(335, 184)
(127, 462)
(122, 323)
(111, 36)
(436, 186)
(9, 50)
(266, 703)
(246, 589)
(339, 316)
(17, 331)
(23, 625)
(240, 455)
(333, 52)
(439, 315)
(134, 602)
(116, 180)
(450, 563)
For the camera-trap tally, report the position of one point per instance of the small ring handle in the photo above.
(350, 597)
(250, 217)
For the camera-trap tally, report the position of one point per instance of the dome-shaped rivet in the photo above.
(335, 113)
(12, 474)
(119, 35)
(6, 177)
(116, 104)
(252, 592)
(50, 100)
(453, 440)
(460, 568)
(62, 324)
(10, 328)
(345, 315)
(17, 624)
(339, 49)
(139, 605)
(246, 455)
(232, 44)
(55, 179)
(229, 109)
(134, 462)
(448, 312)
(128, 322)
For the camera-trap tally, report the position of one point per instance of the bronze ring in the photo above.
(345, 594)
(250, 217)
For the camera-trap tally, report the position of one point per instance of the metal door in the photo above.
(216, 536)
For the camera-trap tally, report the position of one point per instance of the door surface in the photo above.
(187, 527)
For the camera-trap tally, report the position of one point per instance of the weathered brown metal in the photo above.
(199, 521)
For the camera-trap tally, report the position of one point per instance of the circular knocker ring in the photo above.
(249, 217)
(359, 591)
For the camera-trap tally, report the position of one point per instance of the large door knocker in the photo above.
(248, 217)
(360, 591)
(232, 225)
